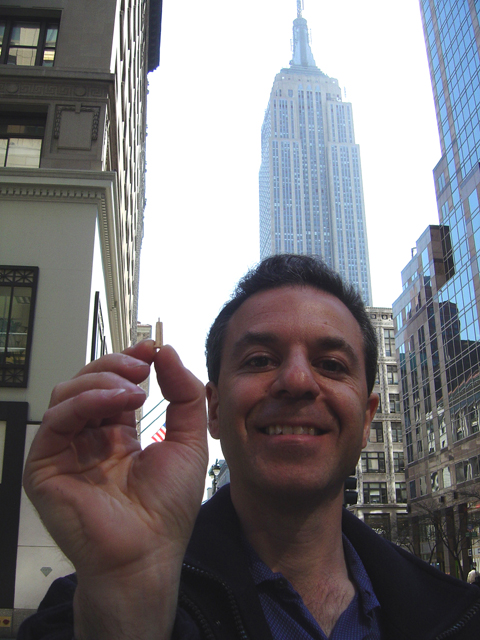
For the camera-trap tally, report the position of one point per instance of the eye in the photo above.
(331, 365)
(259, 362)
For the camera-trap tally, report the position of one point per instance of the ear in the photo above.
(372, 404)
(212, 401)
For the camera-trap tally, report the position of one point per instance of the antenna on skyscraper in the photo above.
(299, 8)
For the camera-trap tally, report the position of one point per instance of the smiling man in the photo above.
(292, 360)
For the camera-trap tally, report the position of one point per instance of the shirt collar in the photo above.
(262, 573)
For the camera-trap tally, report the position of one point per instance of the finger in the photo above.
(89, 381)
(124, 365)
(178, 384)
(186, 413)
(63, 422)
(144, 350)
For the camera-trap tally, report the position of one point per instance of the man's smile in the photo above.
(288, 430)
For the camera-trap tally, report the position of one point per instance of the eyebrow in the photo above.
(327, 343)
(253, 337)
(330, 343)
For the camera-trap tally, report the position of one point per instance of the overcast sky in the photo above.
(206, 105)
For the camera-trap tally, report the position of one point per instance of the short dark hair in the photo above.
(294, 270)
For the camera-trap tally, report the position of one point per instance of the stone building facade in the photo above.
(73, 88)
(380, 473)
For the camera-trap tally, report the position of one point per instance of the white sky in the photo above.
(206, 105)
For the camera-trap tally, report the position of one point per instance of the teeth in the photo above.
(277, 430)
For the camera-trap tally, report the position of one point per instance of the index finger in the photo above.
(133, 361)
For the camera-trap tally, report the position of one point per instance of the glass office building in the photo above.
(436, 316)
(310, 180)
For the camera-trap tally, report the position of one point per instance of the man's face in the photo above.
(291, 407)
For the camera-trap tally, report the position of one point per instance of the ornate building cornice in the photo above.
(54, 88)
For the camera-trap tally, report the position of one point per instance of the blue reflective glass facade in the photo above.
(452, 36)
(437, 315)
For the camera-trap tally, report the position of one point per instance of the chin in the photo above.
(293, 491)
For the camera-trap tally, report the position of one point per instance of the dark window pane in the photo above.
(17, 299)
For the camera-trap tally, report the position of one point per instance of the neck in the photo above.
(295, 539)
(305, 545)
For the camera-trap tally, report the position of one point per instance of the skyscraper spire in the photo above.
(302, 54)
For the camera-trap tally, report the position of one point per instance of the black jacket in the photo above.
(218, 599)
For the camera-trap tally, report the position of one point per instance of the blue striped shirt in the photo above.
(289, 618)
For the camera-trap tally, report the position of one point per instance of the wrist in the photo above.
(128, 607)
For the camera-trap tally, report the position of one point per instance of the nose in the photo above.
(296, 379)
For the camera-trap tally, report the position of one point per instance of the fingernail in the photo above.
(133, 363)
(112, 393)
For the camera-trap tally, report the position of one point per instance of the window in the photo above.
(397, 432)
(18, 287)
(373, 462)
(376, 432)
(380, 523)
(389, 340)
(394, 402)
(375, 492)
(398, 461)
(423, 486)
(442, 430)
(441, 182)
(392, 374)
(28, 42)
(447, 478)
(467, 470)
(431, 437)
(21, 137)
(403, 525)
(400, 491)
(413, 489)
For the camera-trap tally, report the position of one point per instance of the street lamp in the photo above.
(213, 473)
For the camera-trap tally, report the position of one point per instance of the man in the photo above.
(292, 362)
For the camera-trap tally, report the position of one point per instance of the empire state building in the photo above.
(310, 179)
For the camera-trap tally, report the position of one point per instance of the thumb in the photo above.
(186, 414)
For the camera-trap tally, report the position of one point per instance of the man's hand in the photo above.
(122, 515)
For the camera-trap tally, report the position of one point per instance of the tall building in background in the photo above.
(310, 180)
(437, 315)
(73, 88)
(382, 494)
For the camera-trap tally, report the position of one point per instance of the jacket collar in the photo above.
(417, 601)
